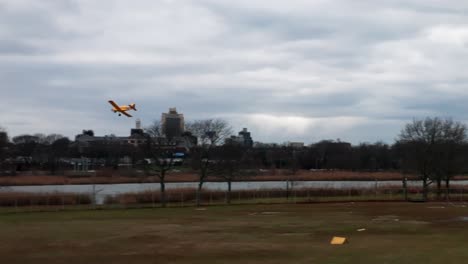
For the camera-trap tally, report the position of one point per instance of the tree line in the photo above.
(433, 149)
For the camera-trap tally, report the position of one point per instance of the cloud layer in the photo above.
(286, 70)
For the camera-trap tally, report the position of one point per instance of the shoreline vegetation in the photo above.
(188, 195)
(116, 177)
(182, 197)
(19, 199)
(119, 177)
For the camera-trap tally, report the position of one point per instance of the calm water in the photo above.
(102, 190)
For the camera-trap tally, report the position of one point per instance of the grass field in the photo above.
(286, 233)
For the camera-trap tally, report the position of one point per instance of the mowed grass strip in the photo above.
(286, 233)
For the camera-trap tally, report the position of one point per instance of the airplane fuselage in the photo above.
(122, 107)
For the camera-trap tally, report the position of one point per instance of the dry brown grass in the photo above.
(109, 177)
(305, 175)
(38, 199)
(188, 195)
(172, 195)
(61, 180)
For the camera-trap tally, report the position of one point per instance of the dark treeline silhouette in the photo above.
(329, 154)
(49, 152)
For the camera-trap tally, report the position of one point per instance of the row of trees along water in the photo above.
(434, 149)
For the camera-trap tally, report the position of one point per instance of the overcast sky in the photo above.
(286, 70)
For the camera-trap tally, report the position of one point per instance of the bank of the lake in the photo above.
(115, 177)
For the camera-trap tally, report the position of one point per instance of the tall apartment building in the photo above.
(243, 139)
(172, 124)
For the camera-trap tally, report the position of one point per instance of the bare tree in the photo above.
(210, 132)
(25, 146)
(162, 157)
(161, 164)
(230, 162)
(51, 138)
(450, 153)
(4, 141)
(47, 139)
(428, 148)
(200, 161)
(56, 150)
(154, 130)
(294, 167)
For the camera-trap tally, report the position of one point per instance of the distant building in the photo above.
(137, 137)
(295, 144)
(172, 124)
(85, 140)
(265, 145)
(243, 139)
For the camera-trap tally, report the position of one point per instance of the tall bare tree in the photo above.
(162, 161)
(230, 164)
(450, 153)
(154, 130)
(58, 149)
(162, 157)
(210, 133)
(428, 148)
(4, 141)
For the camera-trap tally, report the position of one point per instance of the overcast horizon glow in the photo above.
(286, 70)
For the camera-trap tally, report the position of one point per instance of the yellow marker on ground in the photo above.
(338, 240)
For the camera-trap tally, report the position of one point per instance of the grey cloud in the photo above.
(355, 71)
(14, 47)
(33, 22)
(279, 25)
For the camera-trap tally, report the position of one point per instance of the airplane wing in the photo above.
(125, 113)
(114, 104)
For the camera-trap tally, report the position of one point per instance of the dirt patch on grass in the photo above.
(386, 218)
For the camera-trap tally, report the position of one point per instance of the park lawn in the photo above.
(280, 233)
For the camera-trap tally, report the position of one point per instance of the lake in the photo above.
(102, 190)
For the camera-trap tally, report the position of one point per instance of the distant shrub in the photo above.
(104, 172)
(32, 199)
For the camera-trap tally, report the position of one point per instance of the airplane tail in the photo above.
(132, 106)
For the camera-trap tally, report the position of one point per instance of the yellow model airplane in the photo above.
(122, 109)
